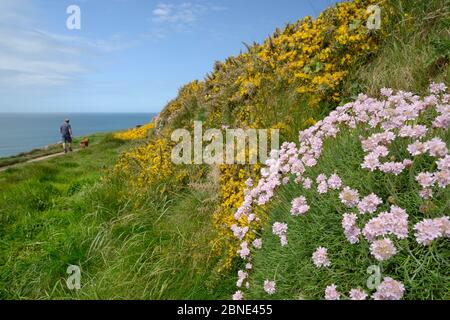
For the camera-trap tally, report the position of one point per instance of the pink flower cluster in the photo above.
(350, 227)
(331, 293)
(382, 249)
(389, 289)
(320, 258)
(437, 88)
(430, 229)
(369, 204)
(238, 295)
(396, 116)
(269, 287)
(239, 232)
(307, 183)
(334, 182)
(299, 206)
(428, 180)
(280, 229)
(244, 251)
(349, 197)
(357, 294)
(394, 222)
(257, 243)
(242, 275)
(322, 185)
(442, 121)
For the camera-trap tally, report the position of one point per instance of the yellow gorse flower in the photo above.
(135, 133)
(310, 58)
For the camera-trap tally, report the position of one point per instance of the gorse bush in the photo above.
(366, 186)
(287, 83)
(135, 133)
(291, 81)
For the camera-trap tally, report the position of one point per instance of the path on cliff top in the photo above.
(50, 156)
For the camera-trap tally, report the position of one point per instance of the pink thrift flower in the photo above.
(320, 258)
(334, 182)
(349, 220)
(394, 222)
(279, 228)
(369, 204)
(299, 206)
(371, 162)
(283, 240)
(238, 295)
(249, 183)
(444, 163)
(351, 230)
(322, 187)
(386, 92)
(392, 167)
(436, 148)
(427, 231)
(349, 197)
(382, 249)
(442, 178)
(307, 183)
(444, 225)
(241, 277)
(408, 163)
(425, 179)
(331, 293)
(413, 132)
(244, 251)
(257, 243)
(239, 232)
(437, 88)
(381, 151)
(269, 287)
(426, 193)
(357, 294)
(417, 148)
(442, 121)
(352, 234)
(389, 289)
(321, 178)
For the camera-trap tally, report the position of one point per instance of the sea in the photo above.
(22, 132)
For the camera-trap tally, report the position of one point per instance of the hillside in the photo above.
(150, 229)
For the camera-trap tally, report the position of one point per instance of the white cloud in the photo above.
(179, 17)
(35, 58)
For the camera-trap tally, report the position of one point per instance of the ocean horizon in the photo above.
(22, 132)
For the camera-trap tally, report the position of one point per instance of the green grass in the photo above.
(415, 51)
(65, 211)
(41, 152)
(423, 270)
(70, 211)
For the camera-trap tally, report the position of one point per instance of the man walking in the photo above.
(66, 133)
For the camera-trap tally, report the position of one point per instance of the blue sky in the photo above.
(129, 55)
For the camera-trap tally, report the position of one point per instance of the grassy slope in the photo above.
(37, 153)
(157, 246)
(424, 271)
(61, 212)
(40, 216)
(408, 61)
